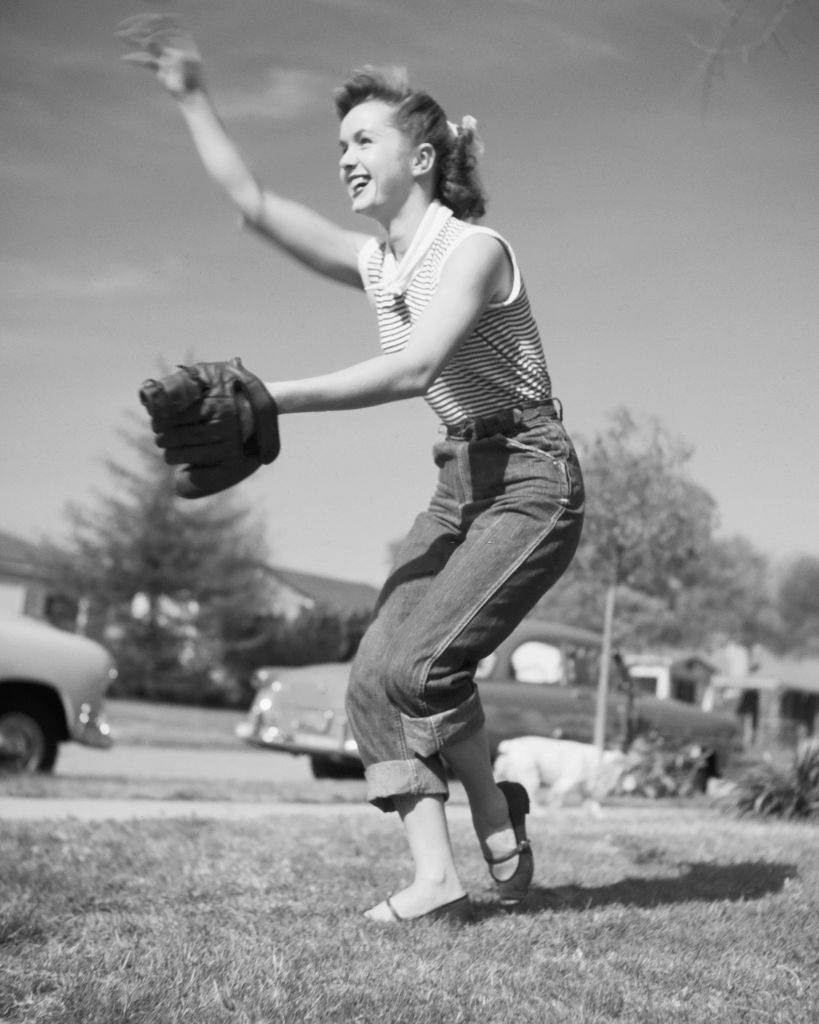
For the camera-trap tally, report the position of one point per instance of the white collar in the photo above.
(395, 275)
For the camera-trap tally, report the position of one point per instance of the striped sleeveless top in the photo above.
(500, 365)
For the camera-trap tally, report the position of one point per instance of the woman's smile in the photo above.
(374, 164)
(356, 183)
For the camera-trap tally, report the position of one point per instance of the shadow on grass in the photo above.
(705, 882)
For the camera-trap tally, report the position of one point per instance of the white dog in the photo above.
(574, 772)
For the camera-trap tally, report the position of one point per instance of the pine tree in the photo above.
(172, 587)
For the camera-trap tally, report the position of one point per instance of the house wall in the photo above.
(659, 675)
(22, 597)
(771, 714)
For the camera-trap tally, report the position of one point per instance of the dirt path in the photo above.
(17, 808)
(144, 762)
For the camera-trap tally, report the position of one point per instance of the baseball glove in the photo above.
(216, 421)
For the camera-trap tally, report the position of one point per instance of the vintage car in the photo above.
(52, 686)
(541, 681)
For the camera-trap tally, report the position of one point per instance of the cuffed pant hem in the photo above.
(387, 779)
(430, 734)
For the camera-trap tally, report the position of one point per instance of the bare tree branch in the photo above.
(725, 47)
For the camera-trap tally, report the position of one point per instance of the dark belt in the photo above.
(504, 421)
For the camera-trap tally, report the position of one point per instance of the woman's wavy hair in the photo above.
(416, 113)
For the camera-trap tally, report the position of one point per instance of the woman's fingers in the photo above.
(162, 43)
(157, 33)
(141, 27)
(144, 60)
(128, 28)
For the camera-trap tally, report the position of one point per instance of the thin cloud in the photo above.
(576, 45)
(288, 95)
(23, 279)
(33, 59)
(352, 5)
(570, 45)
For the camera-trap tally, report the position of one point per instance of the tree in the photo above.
(647, 524)
(798, 600)
(731, 598)
(317, 634)
(649, 530)
(172, 587)
(579, 599)
(648, 527)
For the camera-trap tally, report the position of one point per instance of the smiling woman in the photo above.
(455, 327)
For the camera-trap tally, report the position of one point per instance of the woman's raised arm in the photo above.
(167, 48)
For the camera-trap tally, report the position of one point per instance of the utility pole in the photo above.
(603, 677)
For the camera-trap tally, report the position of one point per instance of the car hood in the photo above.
(317, 686)
(30, 649)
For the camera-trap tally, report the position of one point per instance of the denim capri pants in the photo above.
(501, 528)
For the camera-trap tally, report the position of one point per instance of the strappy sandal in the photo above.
(457, 911)
(513, 890)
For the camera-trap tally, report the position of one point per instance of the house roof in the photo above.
(792, 673)
(679, 660)
(19, 558)
(344, 596)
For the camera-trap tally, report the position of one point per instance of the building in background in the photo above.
(303, 591)
(776, 698)
(26, 589)
(24, 583)
(685, 677)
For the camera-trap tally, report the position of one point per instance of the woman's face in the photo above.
(376, 165)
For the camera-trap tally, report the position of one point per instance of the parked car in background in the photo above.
(541, 681)
(300, 710)
(52, 688)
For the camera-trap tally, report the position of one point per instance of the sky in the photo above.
(669, 241)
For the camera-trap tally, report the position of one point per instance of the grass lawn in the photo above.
(655, 915)
(658, 913)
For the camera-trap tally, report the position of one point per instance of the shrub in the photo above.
(657, 770)
(316, 635)
(768, 790)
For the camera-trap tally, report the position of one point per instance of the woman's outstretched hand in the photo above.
(166, 46)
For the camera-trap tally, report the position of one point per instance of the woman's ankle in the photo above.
(436, 878)
(491, 814)
(424, 892)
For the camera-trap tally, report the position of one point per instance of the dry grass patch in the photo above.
(649, 915)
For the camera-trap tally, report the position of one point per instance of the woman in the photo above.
(503, 524)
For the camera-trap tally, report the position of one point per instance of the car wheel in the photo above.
(27, 743)
(327, 768)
